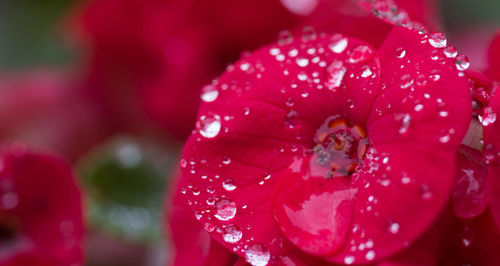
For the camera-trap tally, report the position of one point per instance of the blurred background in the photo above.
(68, 73)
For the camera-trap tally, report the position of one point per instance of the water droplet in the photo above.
(360, 54)
(394, 228)
(349, 260)
(462, 63)
(257, 255)
(335, 74)
(226, 210)
(405, 124)
(370, 255)
(209, 126)
(400, 52)
(488, 116)
(425, 192)
(209, 93)
(419, 107)
(245, 66)
(302, 62)
(285, 37)
(308, 33)
(450, 51)
(274, 51)
(437, 40)
(226, 160)
(232, 234)
(229, 185)
(445, 138)
(338, 43)
(183, 163)
(406, 81)
(302, 76)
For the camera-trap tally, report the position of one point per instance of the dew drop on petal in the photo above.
(228, 185)
(338, 43)
(394, 228)
(349, 260)
(302, 62)
(450, 51)
(462, 62)
(232, 234)
(370, 255)
(209, 93)
(285, 37)
(400, 52)
(488, 116)
(437, 40)
(209, 126)
(360, 54)
(257, 255)
(308, 33)
(226, 210)
(335, 74)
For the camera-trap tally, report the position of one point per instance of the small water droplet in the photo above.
(302, 62)
(394, 228)
(488, 116)
(462, 62)
(349, 260)
(370, 255)
(335, 74)
(450, 51)
(360, 54)
(228, 185)
(437, 40)
(308, 33)
(285, 37)
(209, 126)
(209, 93)
(183, 163)
(400, 52)
(338, 43)
(257, 255)
(232, 234)
(419, 107)
(226, 210)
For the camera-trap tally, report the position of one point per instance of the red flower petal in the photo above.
(265, 120)
(192, 244)
(469, 194)
(41, 210)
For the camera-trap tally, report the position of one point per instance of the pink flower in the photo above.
(49, 109)
(323, 148)
(40, 210)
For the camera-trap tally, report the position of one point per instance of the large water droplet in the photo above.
(338, 43)
(437, 40)
(360, 54)
(488, 116)
(285, 37)
(228, 185)
(335, 74)
(232, 234)
(462, 63)
(349, 260)
(209, 126)
(226, 210)
(257, 255)
(209, 93)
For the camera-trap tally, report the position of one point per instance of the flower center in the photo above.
(340, 147)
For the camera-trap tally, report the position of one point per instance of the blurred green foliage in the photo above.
(31, 33)
(125, 184)
(460, 13)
